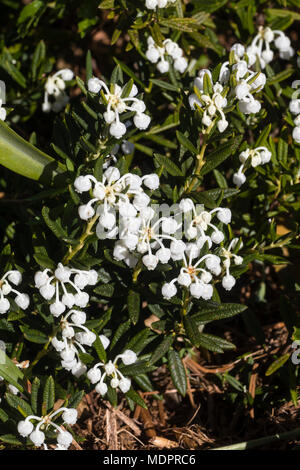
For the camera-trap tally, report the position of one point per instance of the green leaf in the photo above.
(76, 399)
(133, 303)
(30, 10)
(207, 315)
(34, 336)
(23, 158)
(139, 341)
(138, 368)
(167, 164)
(187, 25)
(162, 349)
(105, 290)
(9, 371)
(48, 395)
(34, 394)
(54, 225)
(192, 330)
(214, 343)
(134, 396)
(215, 158)
(186, 143)
(164, 85)
(38, 57)
(19, 404)
(10, 439)
(100, 349)
(120, 331)
(277, 364)
(177, 371)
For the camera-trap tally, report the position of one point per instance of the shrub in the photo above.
(169, 160)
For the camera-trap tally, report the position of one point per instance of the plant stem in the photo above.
(200, 161)
(87, 232)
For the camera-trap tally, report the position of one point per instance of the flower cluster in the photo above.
(294, 107)
(211, 104)
(152, 4)
(36, 433)
(251, 157)
(55, 90)
(243, 82)
(260, 46)
(197, 270)
(2, 111)
(53, 284)
(228, 280)
(70, 339)
(111, 371)
(12, 278)
(117, 102)
(157, 55)
(236, 82)
(117, 194)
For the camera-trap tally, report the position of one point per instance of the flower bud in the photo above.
(82, 184)
(114, 382)
(4, 305)
(101, 388)
(22, 300)
(228, 282)
(15, 277)
(94, 85)
(129, 357)
(86, 211)
(125, 384)
(184, 279)
(168, 290)
(239, 179)
(78, 317)
(81, 299)
(47, 291)
(68, 300)
(150, 261)
(117, 129)
(25, 428)
(151, 181)
(64, 439)
(224, 215)
(40, 279)
(141, 121)
(94, 375)
(37, 437)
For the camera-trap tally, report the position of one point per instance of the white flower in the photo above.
(260, 46)
(8, 279)
(253, 157)
(212, 105)
(158, 55)
(55, 284)
(37, 437)
(228, 280)
(70, 340)
(118, 104)
(55, 89)
(111, 371)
